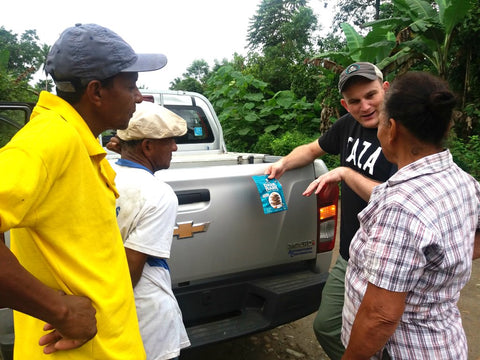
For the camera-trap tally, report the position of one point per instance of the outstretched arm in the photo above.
(300, 156)
(362, 185)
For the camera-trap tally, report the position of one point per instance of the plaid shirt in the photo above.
(416, 236)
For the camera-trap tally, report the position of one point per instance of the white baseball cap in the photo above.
(152, 121)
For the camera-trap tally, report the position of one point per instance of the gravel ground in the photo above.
(290, 341)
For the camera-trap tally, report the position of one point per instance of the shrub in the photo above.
(466, 154)
(284, 144)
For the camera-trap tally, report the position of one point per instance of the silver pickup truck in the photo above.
(236, 270)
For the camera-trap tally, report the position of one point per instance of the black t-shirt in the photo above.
(359, 150)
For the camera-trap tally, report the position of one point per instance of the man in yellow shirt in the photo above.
(68, 277)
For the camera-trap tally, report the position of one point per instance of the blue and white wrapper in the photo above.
(271, 194)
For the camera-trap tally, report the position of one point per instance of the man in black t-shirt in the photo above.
(363, 166)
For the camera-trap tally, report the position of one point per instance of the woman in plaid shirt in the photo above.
(413, 252)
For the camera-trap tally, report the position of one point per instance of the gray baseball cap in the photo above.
(92, 52)
(363, 69)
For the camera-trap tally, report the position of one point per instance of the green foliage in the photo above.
(46, 85)
(198, 70)
(331, 161)
(424, 31)
(465, 75)
(283, 144)
(10, 122)
(273, 24)
(330, 42)
(22, 56)
(466, 154)
(420, 35)
(469, 121)
(359, 12)
(273, 68)
(13, 90)
(284, 111)
(6, 133)
(373, 47)
(194, 79)
(418, 31)
(282, 33)
(248, 110)
(187, 84)
(306, 81)
(236, 98)
(19, 59)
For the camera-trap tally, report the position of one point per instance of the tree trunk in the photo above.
(377, 9)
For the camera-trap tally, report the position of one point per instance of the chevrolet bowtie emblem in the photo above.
(187, 229)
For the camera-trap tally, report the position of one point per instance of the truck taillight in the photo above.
(327, 205)
(328, 212)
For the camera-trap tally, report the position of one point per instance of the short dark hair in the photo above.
(129, 143)
(80, 86)
(423, 104)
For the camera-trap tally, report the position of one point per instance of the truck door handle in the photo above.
(192, 196)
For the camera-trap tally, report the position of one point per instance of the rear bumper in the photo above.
(217, 313)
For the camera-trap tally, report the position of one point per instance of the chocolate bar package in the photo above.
(271, 194)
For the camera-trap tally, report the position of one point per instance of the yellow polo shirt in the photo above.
(57, 195)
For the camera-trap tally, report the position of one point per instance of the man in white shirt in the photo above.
(146, 213)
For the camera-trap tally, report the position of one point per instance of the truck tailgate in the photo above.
(223, 230)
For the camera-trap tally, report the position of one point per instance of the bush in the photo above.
(466, 154)
(252, 116)
(283, 145)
